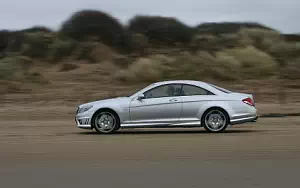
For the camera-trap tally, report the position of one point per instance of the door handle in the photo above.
(173, 100)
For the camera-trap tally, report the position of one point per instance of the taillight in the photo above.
(249, 101)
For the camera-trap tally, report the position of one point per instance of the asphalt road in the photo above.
(56, 154)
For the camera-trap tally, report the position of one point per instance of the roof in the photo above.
(203, 85)
(181, 82)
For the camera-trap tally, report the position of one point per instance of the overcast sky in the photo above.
(282, 15)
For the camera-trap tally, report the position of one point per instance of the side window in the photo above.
(164, 91)
(189, 90)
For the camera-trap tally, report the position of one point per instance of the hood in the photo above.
(117, 99)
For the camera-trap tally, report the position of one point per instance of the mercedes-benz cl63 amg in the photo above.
(180, 103)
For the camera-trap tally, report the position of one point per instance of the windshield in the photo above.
(138, 90)
(221, 89)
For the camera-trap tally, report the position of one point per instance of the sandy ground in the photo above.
(54, 153)
(41, 147)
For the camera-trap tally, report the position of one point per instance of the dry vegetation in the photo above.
(94, 56)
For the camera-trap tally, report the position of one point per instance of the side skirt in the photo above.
(163, 125)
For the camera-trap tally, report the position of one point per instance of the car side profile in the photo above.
(179, 103)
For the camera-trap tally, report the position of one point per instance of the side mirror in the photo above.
(141, 97)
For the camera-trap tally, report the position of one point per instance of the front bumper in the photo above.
(83, 123)
(84, 120)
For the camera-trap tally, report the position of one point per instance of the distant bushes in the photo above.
(10, 67)
(60, 48)
(291, 37)
(253, 62)
(12, 41)
(141, 32)
(93, 52)
(160, 48)
(227, 27)
(232, 64)
(95, 25)
(54, 47)
(36, 44)
(260, 38)
(161, 29)
(4, 39)
(145, 69)
(37, 29)
(7, 68)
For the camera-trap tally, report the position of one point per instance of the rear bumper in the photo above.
(244, 120)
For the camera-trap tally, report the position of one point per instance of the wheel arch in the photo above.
(215, 107)
(102, 110)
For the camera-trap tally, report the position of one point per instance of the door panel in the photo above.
(156, 110)
(193, 98)
(191, 106)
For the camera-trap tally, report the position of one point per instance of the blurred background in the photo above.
(93, 55)
(55, 55)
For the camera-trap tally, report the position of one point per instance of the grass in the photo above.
(232, 64)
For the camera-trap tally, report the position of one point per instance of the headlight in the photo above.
(84, 109)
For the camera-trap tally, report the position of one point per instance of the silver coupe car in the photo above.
(180, 103)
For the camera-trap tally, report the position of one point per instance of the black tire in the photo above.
(101, 128)
(217, 113)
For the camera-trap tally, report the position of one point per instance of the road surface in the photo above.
(54, 153)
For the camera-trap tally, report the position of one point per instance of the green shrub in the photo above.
(253, 62)
(227, 65)
(61, 48)
(8, 67)
(101, 53)
(205, 43)
(139, 43)
(145, 69)
(93, 52)
(17, 70)
(161, 29)
(37, 44)
(285, 51)
(260, 38)
(203, 66)
(4, 35)
(11, 41)
(226, 68)
(185, 66)
(212, 43)
(149, 69)
(96, 25)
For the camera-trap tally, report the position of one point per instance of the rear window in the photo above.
(221, 89)
(189, 90)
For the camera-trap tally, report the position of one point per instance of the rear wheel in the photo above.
(215, 120)
(106, 122)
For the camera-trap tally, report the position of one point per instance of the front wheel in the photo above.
(106, 122)
(215, 120)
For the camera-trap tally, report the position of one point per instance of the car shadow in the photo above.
(149, 132)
